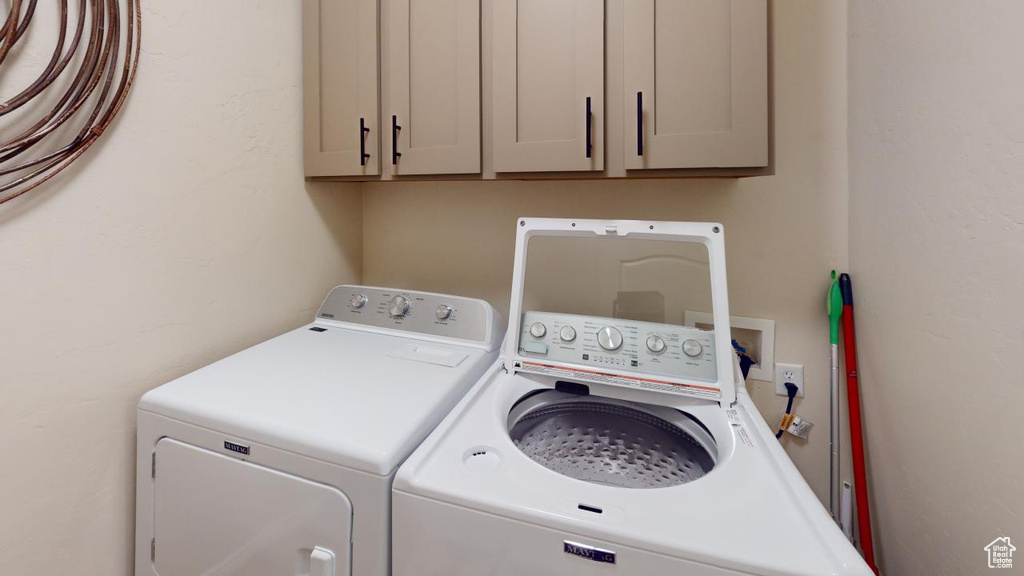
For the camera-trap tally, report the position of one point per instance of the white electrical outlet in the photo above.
(789, 373)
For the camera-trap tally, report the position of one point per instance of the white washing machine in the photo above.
(610, 438)
(279, 460)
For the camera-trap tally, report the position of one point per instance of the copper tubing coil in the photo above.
(94, 96)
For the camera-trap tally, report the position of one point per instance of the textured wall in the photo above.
(937, 251)
(783, 233)
(185, 235)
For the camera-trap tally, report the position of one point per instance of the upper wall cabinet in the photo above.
(433, 75)
(492, 89)
(548, 89)
(341, 132)
(696, 83)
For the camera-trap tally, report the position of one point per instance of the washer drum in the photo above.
(612, 442)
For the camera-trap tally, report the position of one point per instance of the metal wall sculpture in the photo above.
(51, 122)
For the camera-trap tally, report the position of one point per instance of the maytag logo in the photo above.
(244, 450)
(588, 552)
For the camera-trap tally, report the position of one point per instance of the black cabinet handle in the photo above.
(639, 123)
(590, 145)
(394, 139)
(363, 131)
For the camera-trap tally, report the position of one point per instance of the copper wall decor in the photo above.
(53, 120)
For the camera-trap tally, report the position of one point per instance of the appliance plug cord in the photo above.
(791, 391)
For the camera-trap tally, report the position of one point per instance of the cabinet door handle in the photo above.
(394, 139)
(639, 123)
(363, 131)
(590, 145)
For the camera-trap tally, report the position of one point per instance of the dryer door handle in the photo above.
(321, 562)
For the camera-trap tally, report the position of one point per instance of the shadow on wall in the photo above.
(334, 203)
(439, 232)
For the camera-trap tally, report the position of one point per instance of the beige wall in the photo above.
(783, 233)
(937, 251)
(185, 235)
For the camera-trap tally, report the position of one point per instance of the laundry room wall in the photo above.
(783, 233)
(936, 249)
(185, 235)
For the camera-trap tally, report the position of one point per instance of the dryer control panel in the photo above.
(622, 345)
(442, 315)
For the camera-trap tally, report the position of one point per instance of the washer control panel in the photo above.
(410, 311)
(625, 345)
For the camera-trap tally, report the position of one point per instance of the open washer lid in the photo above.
(630, 364)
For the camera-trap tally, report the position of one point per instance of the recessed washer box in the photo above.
(754, 334)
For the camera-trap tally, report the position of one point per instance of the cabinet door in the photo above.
(341, 132)
(433, 117)
(548, 65)
(696, 81)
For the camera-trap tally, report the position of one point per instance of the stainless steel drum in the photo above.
(613, 442)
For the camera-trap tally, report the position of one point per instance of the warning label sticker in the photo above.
(737, 422)
(744, 437)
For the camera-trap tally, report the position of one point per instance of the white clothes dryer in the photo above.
(610, 438)
(279, 459)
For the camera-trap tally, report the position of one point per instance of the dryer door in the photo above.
(220, 516)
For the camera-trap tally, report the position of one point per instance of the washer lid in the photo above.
(602, 301)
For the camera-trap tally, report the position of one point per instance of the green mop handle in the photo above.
(835, 310)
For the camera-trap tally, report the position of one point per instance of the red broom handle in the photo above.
(856, 433)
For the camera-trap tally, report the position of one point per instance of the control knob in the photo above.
(655, 344)
(567, 333)
(538, 329)
(443, 312)
(609, 338)
(399, 306)
(692, 348)
(357, 301)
